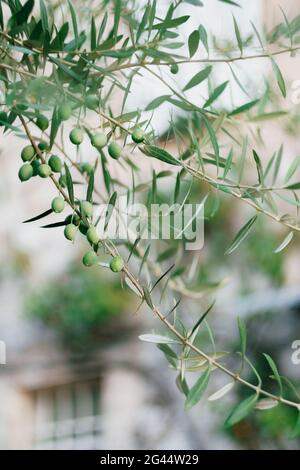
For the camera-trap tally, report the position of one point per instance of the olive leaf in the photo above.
(158, 339)
(159, 154)
(90, 188)
(197, 390)
(198, 78)
(40, 216)
(69, 184)
(243, 108)
(275, 371)
(242, 410)
(296, 431)
(157, 102)
(222, 392)
(241, 235)
(243, 336)
(279, 78)
(193, 42)
(289, 237)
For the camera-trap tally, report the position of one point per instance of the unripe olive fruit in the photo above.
(174, 69)
(44, 170)
(87, 168)
(28, 153)
(99, 140)
(62, 181)
(25, 172)
(70, 232)
(90, 258)
(42, 122)
(35, 165)
(138, 136)
(92, 235)
(72, 219)
(86, 208)
(83, 228)
(43, 146)
(64, 111)
(55, 163)
(92, 101)
(3, 118)
(114, 150)
(58, 204)
(116, 264)
(76, 136)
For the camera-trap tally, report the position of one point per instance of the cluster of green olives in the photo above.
(74, 223)
(99, 141)
(33, 166)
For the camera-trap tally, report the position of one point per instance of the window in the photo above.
(68, 416)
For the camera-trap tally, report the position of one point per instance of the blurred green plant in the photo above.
(82, 306)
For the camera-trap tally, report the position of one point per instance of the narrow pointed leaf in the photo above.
(69, 184)
(90, 189)
(241, 411)
(198, 78)
(296, 431)
(222, 392)
(279, 78)
(243, 336)
(197, 390)
(40, 216)
(193, 42)
(275, 371)
(243, 108)
(266, 404)
(158, 339)
(238, 36)
(157, 102)
(215, 94)
(159, 154)
(242, 234)
(285, 242)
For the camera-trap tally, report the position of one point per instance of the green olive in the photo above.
(92, 101)
(83, 228)
(58, 204)
(116, 264)
(64, 111)
(87, 168)
(76, 136)
(90, 258)
(92, 235)
(86, 208)
(174, 69)
(35, 165)
(72, 219)
(28, 153)
(138, 136)
(43, 146)
(55, 163)
(99, 140)
(25, 172)
(114, 150)
(44, 170)
(42, 122)
(70, 232)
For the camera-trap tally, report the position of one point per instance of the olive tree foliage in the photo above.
(55, 68)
